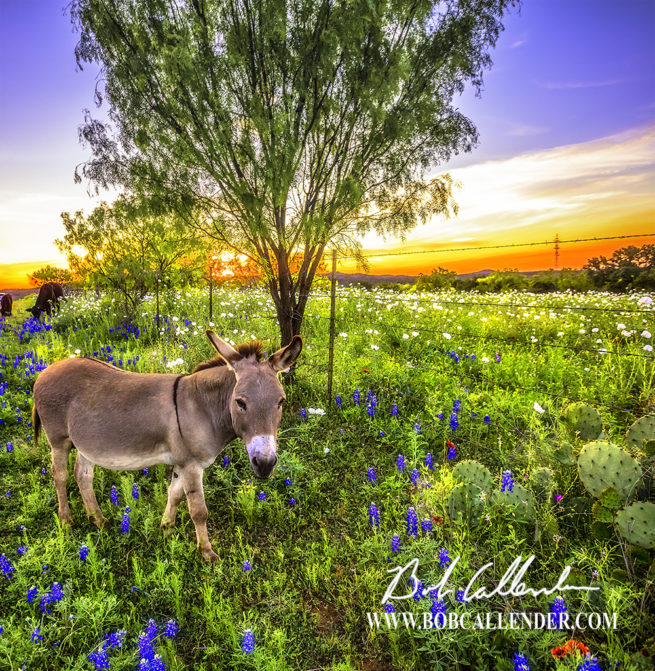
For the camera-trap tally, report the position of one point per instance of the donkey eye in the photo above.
(280, 402)
(241, 404)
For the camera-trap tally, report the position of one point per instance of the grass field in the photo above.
(456, 377)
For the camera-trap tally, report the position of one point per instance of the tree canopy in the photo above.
(280, 128)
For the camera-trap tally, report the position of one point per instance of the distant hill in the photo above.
(353, 278)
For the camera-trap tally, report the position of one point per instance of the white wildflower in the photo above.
(538, 408)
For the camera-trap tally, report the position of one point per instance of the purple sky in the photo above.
(565, 72)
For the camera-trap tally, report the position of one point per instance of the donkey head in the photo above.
(256, 401)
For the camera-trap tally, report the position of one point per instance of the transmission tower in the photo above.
(556, 251)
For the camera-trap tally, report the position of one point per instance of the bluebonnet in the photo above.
(146, 471)
(287, 482)
(22, 549)
(303, 413)
(125, 524)
(374, 515)
(520, 662)
(497, 358)
(370, 474)
(55, 592)
(452, 451)
(170, 629)
(262, 496)
(557, 608)
(84, 552)
(395, 543)
(151, 630)
(248, 642)
(590, 664)
(487, 419)
(146, 651)
(426, 525)
(444, 559)
(440, 416)
(6, 565)
(418, 593)
(292, 502)
(412, 522)
(454, 423)
(400, 463)
(415, 477)
(36, 635)
(10, 447)
(135, 491)
(157, 664)
(114, 640)
(460, 596)
(457, 404)
(507, 484)
(99, 658)
(113, 495)
(226, 462)
(31, 594)
(389, 608)
(428, 460)
(247, 566)
(394, 409)
(372, 406)
(417, 427)
(356, 396)
(438, 611)
(338, 401)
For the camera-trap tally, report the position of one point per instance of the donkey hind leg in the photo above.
(60, 474)
(191, 477)
(175, 495)
(84, 478)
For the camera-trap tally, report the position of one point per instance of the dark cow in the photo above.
(6, 303)
(49, 296)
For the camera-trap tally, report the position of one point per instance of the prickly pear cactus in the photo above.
(641, 435)
(564, 454)
(519, 503)
(542, 482)
(608, 503)
(467, 501)
(602, 465)
(583, 420)
(636, 524)
(474, 472)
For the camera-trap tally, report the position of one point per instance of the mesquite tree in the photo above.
(280, 127)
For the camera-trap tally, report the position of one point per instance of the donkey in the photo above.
(127, 421)
(6, 303)
(49, 296)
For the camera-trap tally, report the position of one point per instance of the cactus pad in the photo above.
(636, 524)
(474, 472)
(583, 420)
(564, 454)
(519, 502)
(542, 482)
(602, 465)
(641, 435)
(466, 500)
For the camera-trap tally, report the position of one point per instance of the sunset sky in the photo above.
(567, 141)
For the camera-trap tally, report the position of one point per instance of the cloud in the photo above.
(581, 85)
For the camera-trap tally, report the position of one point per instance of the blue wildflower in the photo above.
(113, 495)
(520, 662)
(356, 397)
(262, 496)
(457, 405)
(394, 410)
(292, 502)
(303, 413)
(146, 651)
(125, 524)
(370, 474)
(590, 664)
(151, 630)
(417, 427)
(10, 447)
(395, 543)
(438, 611)
(31, 594)
(454, 422)
(389, 607)
(135, 491)
(460, 596)
(84, 552)
(428, 460)
(444, 559)
(247, 566)
(36, 635)
(557, 609)
(452, 451)
(56, 593)
(412, 522)
(287, 482)
(6, 565)
(146, 471)
(248, 642)
(99, 658)
(487, 419)
(114, 640)
(415, 477)
(400, 463)
(226, 462)
(507, 484)
(426, 525)
(170, 629)
(374, 515)
(22, 550)
(338, 401)
(418, 592)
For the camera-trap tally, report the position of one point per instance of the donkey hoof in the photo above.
(100, 522)
(209, 555)
(66, 523)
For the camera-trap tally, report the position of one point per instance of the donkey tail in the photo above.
(36, 424)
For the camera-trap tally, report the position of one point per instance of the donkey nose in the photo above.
(263, 465)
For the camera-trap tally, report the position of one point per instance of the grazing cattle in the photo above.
(127, 421)
(49, 296)
(6, 304)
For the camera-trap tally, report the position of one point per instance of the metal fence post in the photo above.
(333, 287)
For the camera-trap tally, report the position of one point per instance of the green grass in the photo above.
(317, 566)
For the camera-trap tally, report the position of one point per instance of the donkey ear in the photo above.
(286, 356)
(226, 351)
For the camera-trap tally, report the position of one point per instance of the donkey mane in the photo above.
(248, 350)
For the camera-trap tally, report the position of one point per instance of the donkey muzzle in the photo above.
(263, 455)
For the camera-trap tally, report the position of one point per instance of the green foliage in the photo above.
(564, 454)
(502, 280)
(583, 421)
(50, 274)
(637, 524)
(628, 268)
(466, 504)
(602, 465)
(518, 504)
(439, 278)
(542, 482)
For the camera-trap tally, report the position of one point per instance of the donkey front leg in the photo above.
(175, 495)
(60, 475)
(191, 477)
(84, 478)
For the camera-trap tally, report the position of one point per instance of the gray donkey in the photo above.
(127, 421)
